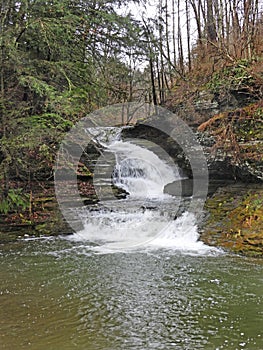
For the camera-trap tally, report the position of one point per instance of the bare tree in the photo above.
(187, 11)
(211, 28)
(180, 41)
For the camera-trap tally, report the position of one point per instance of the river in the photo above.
(135, 277)
(60, 294)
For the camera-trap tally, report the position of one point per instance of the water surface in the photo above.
(60, 294)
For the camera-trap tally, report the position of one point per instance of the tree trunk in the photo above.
(210, 28)
(188, 34)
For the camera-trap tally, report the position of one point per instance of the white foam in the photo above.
(181, 234)
(113, 232)
(123, 228)
(140, 171)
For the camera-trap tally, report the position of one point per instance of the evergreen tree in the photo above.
(60, 59)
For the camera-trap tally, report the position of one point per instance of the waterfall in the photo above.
(139, 171)
(105, 135)
(146, 218)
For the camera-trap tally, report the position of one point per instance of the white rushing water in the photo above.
(146, 218)
(141, 172)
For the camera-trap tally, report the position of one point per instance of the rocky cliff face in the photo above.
(231, 134)
(232, 141)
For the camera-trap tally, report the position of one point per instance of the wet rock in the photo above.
(184, 187)
(234, 219)
(180, 188)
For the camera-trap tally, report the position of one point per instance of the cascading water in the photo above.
(146, 218)
(139, 171)
(105, 135)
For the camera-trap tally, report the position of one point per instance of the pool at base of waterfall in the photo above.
(64, 294)
(136, 277)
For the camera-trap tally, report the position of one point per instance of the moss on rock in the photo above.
(235, 219)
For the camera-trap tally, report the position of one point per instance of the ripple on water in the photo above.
(58, 294)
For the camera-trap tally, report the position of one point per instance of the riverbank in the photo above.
(234, 219)
(235, 212)
(41, 217)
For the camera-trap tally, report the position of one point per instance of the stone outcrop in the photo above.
(232, 143)
(234, 219)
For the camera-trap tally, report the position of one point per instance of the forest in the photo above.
(62, 59)
(145, 233)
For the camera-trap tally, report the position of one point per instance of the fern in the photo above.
(14, 201)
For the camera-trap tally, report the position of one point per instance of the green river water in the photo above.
(61, 295)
